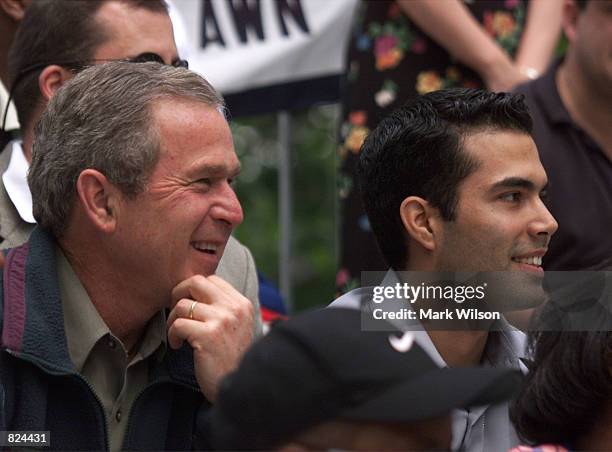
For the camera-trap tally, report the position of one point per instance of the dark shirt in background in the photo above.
(580, 180)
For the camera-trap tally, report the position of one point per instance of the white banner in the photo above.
(246, 45)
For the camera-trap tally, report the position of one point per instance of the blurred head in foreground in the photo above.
(567, 396)
(318, 381)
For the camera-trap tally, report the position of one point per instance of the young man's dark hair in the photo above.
(417, 151)
(57, 32)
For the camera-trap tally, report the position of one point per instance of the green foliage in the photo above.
(313, 144)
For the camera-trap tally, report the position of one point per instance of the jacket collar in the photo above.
(33, 322)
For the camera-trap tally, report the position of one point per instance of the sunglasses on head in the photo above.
(79, 65)
(151, 57)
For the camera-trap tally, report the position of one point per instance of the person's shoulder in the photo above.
(234, 246)
(524, 88)
(530, 90)
(541, 92)
(236, 258)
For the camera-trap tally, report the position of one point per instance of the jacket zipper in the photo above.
(128, 438)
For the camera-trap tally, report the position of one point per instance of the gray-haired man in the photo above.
(58, 39)
(131, 184)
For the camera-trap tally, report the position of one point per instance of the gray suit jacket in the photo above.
(237, 265)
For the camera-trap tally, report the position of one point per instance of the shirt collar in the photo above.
(505, 345)
(16, 183)
(420, 334)
(85, 327)
(154, 341)
(82, 322)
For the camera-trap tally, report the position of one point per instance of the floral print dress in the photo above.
(390, 61)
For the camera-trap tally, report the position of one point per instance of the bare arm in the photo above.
(450, 24)
(540, 35)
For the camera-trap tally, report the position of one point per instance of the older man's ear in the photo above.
(98, 198)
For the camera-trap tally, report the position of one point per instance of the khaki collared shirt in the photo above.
(101, 358)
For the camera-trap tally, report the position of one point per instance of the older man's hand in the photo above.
(217, 321)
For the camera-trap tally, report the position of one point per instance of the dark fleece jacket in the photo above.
(40, 388)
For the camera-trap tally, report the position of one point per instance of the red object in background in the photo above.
(269, 316)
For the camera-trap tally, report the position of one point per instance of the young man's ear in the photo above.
(99, 199)
(571, 13)
(51, 79)
(421, 221)
(15, 9)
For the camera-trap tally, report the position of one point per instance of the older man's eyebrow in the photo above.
(218, 170)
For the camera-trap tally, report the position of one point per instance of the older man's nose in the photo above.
(227, 208)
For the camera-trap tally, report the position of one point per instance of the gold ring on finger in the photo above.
(191, 308)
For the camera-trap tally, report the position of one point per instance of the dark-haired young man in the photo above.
(571, 108)
(57, 39)
(452, 182)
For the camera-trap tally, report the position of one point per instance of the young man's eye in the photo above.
(511, 197)
(544, 195)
